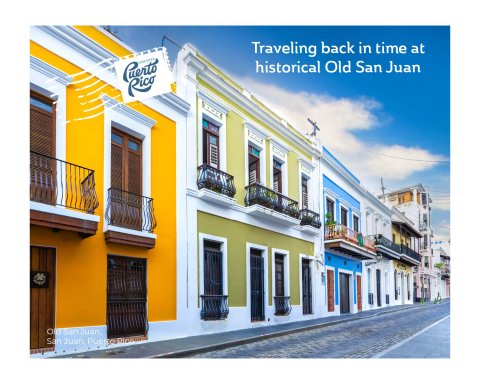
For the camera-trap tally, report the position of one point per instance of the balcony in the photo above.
(345, 240)
(310, 221)
(214, 307)
(134, 214)
(266, 203)
(386, 246)
(410, 255)
(282, 305)
(62, 195)
(446, 271)
(215, 185)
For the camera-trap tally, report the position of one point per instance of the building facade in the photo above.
(378, 274)
(252, 224)
(415, 203)
(441, 263)
(345, 248)
(103, 221)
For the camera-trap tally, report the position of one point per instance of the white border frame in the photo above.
(224, 249)
(286, 271)
(263, 155)
(222, 128)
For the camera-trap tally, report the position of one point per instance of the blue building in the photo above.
(345, 247)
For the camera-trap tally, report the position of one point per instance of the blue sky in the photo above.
(360, 114)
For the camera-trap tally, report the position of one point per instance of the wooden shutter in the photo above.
(134, 172)
(279, 276)
(42, 128)
(116, 167)
(304, 193)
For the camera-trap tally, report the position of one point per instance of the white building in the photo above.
(441, 264)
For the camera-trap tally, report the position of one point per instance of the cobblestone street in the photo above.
(359, 339)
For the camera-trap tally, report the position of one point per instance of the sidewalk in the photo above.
(195, 344)
(432, 342)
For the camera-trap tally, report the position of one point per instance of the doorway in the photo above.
(257, 286)
(126, 297)
(307, 295)
(344, 293)
(42, 298)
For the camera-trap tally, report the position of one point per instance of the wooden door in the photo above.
(331, 291)
(42, 147)
(257, 289)
(42, 297)
(359, 293)
(307, 295)
(344, 293)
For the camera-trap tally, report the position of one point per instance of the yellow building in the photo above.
(407, 237)
(102, 198)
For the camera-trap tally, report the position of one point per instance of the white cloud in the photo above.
(338, 120)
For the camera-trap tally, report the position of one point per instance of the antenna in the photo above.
(171, 40)
(315, 127)
(383, 189)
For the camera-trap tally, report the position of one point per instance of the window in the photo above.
(253, 165)
(425, 241)
(126, 181)
(279, 275)
(424, 199)
(126, 165)
(393, 237)
(401, 198)
(212, 269)
(331, 208)
(425, 219)
(211, 144)
(213, 300)
(343, 216)
(355, 223)
(43, 168)
(42, 125)
(277, 176)
(304, 192)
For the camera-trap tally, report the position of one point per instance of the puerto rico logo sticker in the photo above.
(143, 76)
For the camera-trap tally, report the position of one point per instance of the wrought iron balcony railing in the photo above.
(215, 180)
(308, 217)
(387, 243)
(282, 305)
(258, 194)
(410, 253)
(339, 231)
(214, 307)
(57, 182)
(128, 210)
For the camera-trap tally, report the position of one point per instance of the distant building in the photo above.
(415, 203)
(441, 263)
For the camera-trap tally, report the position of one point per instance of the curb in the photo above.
(266, 336)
